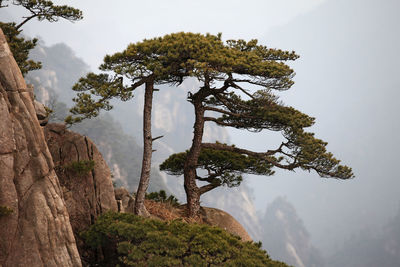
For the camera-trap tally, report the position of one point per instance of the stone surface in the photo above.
(41, 113)
(88, 192)
(38, 231)
(224, 220)
(125, 201)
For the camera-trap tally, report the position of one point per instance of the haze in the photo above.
(347, 77)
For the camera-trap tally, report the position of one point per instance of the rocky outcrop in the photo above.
(224, 220)
(84, 177)
(124, 200)
(41, 113)
(38, 231)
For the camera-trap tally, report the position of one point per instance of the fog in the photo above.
(347, 78)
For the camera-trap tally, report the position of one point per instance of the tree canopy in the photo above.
(41, 10)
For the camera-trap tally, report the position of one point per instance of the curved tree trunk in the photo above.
(192, 191)
(140, 209)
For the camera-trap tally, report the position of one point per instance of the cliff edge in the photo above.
(37, 232)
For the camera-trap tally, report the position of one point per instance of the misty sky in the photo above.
(347, 77)
(108, 27)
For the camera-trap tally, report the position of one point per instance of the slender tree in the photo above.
(40, 10)
(222, 99)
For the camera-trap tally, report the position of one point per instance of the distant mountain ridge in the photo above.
(286, 238)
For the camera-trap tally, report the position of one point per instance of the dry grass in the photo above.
(166, 212)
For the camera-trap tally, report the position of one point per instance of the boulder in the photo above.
(41, 113)
(124, 200)
(38, 231)
(84, 177)
(224, 220)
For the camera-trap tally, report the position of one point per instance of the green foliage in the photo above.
(172, 58)
(262, 111)
(4, 211)
(223, 167)
(147, 242)
(41, 10)
(161, 196)
(20, 47)
(80, 167)
(46, 10)
(102, 86)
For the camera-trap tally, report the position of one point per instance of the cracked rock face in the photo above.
(84, 177)
(38, 231)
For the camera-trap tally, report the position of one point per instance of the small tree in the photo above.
(223, 72)
(41, 10)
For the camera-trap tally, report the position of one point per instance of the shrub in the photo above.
(80, 167)
(147, 242)
(161, 196)
(4, 211)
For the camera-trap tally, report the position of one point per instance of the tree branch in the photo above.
(158, 137)
(224, 112)
(25, 21)
(261, 155)
(234, 85)
(224, 123)
(209, 187)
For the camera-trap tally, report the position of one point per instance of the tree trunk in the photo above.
(192, 191)
(140, 209)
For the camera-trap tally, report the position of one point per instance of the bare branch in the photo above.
(224, 112)
(158, 137)
(234, 85)
(224, 123)
(262, 155)
(206, 188)
(25, 21)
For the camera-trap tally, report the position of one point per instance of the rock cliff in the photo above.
(84, 177)
(38, 231)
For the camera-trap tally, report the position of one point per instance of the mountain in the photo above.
(371, 247)
(347, 78)
(60, 70)
(286, 238)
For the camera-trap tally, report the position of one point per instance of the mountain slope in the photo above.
(286, 238)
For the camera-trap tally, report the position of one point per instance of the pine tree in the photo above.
(41, 10)
(223, 99)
